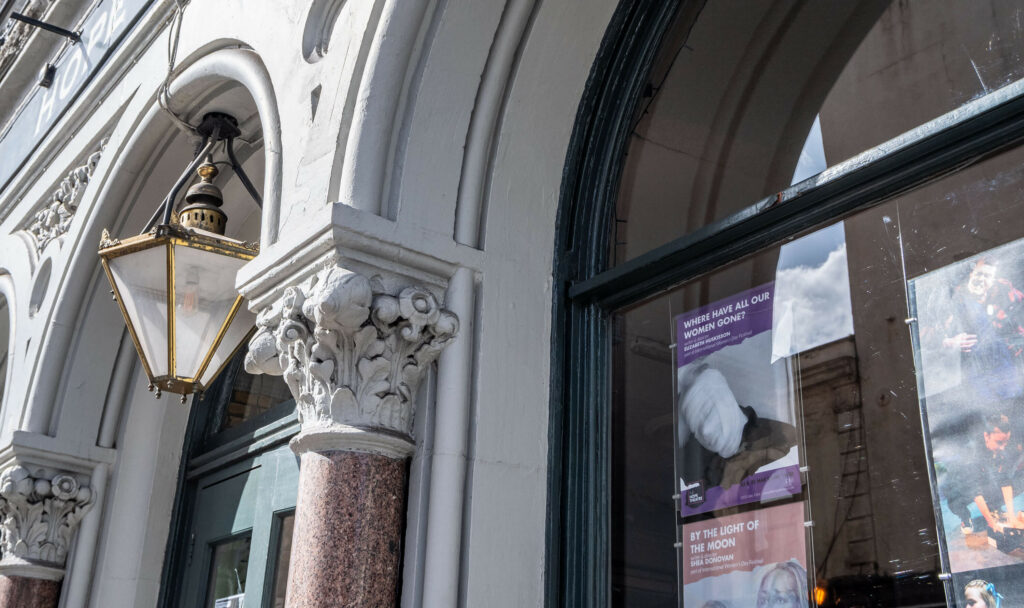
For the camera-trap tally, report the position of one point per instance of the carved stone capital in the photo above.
(353, 356)
(39, 513)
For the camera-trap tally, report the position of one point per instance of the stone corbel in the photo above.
(40, 509)
(353, 353)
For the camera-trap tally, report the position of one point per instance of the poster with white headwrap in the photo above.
(736, 431)
(757, 558)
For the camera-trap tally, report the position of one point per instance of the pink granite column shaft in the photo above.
(347, 539)
(25, 592)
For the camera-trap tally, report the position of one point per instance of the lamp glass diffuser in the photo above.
(175, 288)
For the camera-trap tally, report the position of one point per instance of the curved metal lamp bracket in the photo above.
(215, 127)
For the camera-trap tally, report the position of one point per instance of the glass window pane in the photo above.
(226, 587)
(284, 554)
(236, 396)
(237, 399)
(921, 59)
(141, 280)
(747, 98)
(889, 356)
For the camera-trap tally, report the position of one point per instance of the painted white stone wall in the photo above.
(432, 134)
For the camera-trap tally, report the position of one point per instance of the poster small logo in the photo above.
(694, 494)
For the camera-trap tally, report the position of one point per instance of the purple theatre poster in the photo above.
(736, 420)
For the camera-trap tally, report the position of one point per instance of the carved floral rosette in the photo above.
(351, 354)
(40, 513)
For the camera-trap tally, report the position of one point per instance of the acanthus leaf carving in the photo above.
(351, 354)
(39, 513)
(53, 220)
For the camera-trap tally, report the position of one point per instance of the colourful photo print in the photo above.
(967, 321)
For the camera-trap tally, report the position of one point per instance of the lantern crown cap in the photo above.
(205, 192)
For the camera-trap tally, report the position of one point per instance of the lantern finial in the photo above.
(204, 201)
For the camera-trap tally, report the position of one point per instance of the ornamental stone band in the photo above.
(353, 357)
(40, 512)
(53, 220)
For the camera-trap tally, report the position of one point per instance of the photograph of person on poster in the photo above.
(968, 324)
(724, 441)
(784, 586)
(981, 594)
(986, 477)
(986, 326)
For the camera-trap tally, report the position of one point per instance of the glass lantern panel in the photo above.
(239, 328)
(204, 291)
(141, 282)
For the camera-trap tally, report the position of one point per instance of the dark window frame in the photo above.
(205, 449)
(587, 292)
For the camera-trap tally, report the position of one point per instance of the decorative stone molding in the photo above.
(320, 22)
(16, 33)
(39, 513)
(53, 220)
(353, 357)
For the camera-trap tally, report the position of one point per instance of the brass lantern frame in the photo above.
(170, 236)
(198, 219)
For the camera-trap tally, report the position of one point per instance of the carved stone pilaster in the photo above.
(54, 219)
(39, 513)
(353, 357)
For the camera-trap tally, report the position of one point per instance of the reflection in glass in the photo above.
(283, 559)
(747, 98)
(939, 265)
(237, 396)
(867, 491)
(252, 395)
(226, 588)
(812, 281)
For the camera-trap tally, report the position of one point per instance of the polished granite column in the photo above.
(353, 353)
(25, 592)
(347, 536)
(40, 509)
